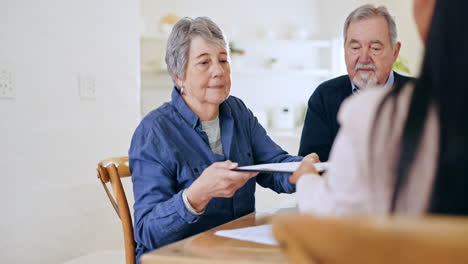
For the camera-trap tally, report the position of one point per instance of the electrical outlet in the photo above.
(7, 89)
(87, 86)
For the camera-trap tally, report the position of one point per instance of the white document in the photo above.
(262, 234)
(271, 211)
(289, 167)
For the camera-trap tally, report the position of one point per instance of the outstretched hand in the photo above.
(218, 180)
(306, 167)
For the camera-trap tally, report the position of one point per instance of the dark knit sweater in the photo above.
(320, 124)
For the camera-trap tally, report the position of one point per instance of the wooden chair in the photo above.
(111, 170)
(402, 240)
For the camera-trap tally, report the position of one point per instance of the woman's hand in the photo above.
(306, 167)
(218, 180)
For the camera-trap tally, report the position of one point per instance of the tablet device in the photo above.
(288, 167)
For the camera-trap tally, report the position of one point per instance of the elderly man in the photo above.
(371, 48)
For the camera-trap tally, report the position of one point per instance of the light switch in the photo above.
(87, 86)
(7, 88)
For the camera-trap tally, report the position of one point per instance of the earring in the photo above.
(181, 90)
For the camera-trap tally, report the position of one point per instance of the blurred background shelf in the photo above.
(265, 71)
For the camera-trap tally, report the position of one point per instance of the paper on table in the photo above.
(270, 211)
(289, 167)
(260, 234)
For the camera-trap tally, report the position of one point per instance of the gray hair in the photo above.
(178, 43)
(370, 11)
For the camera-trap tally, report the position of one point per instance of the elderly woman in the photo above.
(183, 154)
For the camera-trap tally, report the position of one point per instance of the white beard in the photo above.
(365, 81)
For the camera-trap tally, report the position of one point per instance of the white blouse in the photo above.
(359, 182)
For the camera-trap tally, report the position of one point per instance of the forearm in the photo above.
(162, 223)
(197, 198)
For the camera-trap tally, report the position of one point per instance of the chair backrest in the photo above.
(111, 170)
(403, 240)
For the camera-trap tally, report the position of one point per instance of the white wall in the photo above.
(244, 20)
(53, 207)
(239, 19)
(333, 14)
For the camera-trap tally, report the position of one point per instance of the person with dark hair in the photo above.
(403, 151)
(182, 154)
(371, 47)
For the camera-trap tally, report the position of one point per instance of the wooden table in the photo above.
(209, 248)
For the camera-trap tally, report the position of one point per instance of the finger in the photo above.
(227, 188)
(235, 175)
(250, 175)
(239, 177)
(229, 165)
(293, 178)
(313, 156)
(245, 178)
(306, 167)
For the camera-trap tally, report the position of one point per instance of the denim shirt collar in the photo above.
(190, 116)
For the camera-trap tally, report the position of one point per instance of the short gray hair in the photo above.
(370, 11)
(178, 43)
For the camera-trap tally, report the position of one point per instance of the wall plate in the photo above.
(7, 88)
(87, 86)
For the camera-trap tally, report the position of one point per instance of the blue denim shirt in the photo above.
(169, 150)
